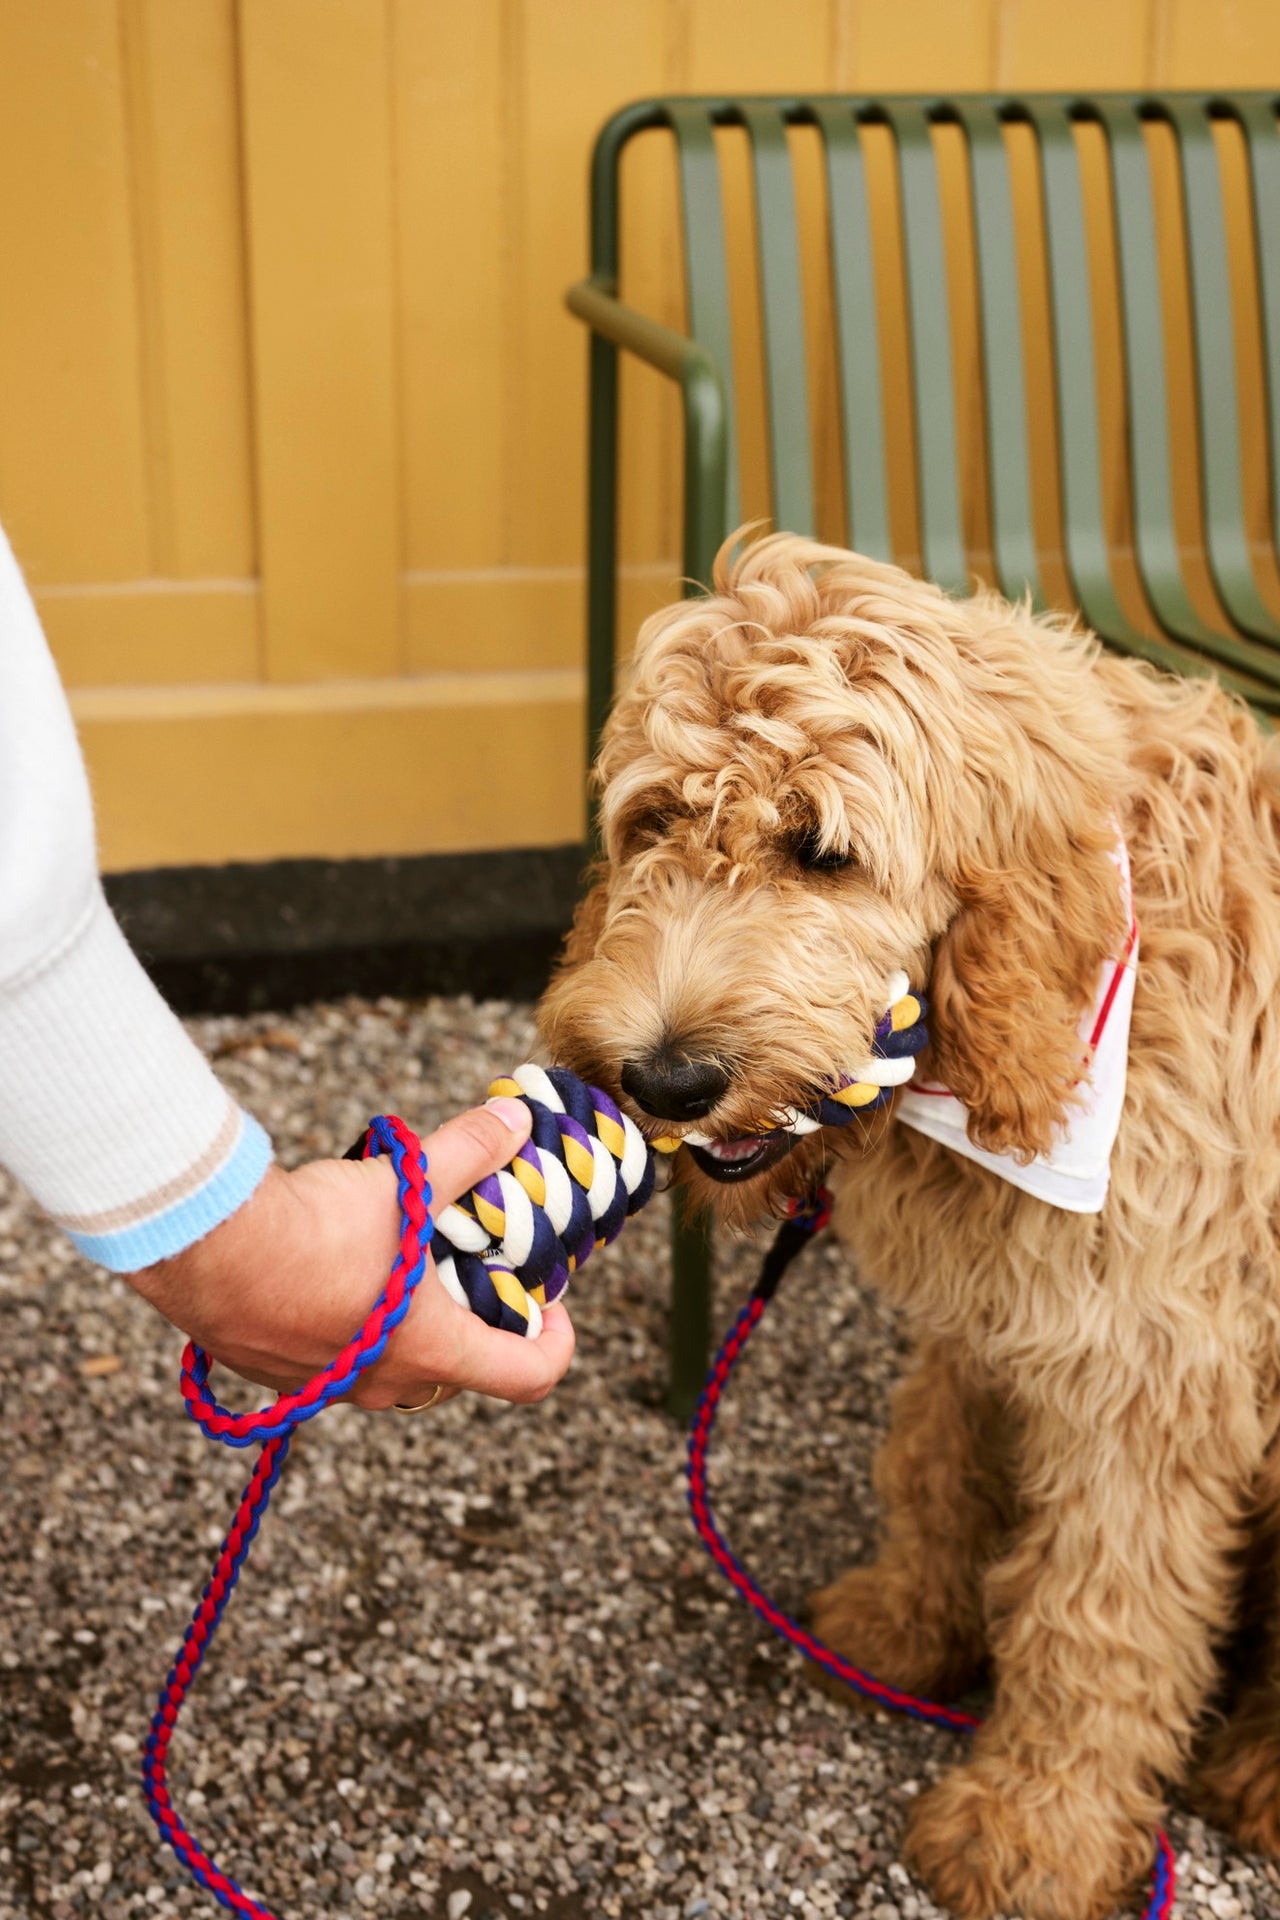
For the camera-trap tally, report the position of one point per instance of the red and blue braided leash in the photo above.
(273, 1428)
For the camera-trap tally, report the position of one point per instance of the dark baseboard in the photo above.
(242, 938)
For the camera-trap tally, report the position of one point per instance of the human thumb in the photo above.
(473, 1144)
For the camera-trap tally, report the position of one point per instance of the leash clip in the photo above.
(805, 1217)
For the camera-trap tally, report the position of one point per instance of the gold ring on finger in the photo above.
(422, 1404)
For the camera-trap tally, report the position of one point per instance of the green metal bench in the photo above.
(1208, 603)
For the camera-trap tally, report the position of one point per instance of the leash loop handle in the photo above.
(387, 1134)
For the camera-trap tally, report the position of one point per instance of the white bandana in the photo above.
(1076, 1172)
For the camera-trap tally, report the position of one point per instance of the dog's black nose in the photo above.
(672, 1085)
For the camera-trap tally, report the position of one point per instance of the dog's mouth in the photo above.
(891, 1057)
(729, 1161)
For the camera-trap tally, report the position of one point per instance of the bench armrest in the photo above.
(706, 414)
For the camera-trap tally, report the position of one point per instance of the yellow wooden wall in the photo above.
(291, 413)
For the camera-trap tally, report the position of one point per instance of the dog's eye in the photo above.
(815, 858)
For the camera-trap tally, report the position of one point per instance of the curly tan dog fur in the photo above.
(829, 771)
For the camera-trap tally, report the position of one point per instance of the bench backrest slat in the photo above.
(782, 310)
(1003, 362)
(932, 381)
(706, 263)
(857, 325)
(1118, 209)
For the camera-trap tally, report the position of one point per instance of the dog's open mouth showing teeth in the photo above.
(742, 1159)
(899, 1036)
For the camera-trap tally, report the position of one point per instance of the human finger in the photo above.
(509, 1367)
(456, 1349)
(430, 1397)
(473, 1144)
(461, 1350)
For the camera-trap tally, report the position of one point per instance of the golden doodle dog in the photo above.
(828, 773)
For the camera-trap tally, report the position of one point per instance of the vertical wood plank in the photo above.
(923, 46)
(318, 159)
(756, 46)
(72, 467)
(844, 14)
(568, 67)
(1233, 43)
(752, 47)
(910, 46)
(1093, 44)
(651, 494)
(184, 168)
(452, 239)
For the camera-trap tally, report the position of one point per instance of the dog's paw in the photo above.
(989, 1839)
(1237, 1784)
(867, 1618)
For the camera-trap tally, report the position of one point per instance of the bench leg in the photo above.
(690, 1306)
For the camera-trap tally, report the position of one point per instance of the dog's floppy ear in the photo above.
(1012, 977)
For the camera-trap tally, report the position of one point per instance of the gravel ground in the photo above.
(478, 1665)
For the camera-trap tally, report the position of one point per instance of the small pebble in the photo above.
(100, 1366)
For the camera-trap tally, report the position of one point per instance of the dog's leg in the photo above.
(1103, 1621)
(1236, 1772)
(915, 1618)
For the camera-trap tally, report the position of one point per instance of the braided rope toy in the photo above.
(509, 1248)
(585, 1170)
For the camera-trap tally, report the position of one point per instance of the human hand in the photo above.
(281, 1286)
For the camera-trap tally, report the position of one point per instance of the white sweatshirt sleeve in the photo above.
(109, 1114)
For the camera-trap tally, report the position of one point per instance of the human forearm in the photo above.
(108, 1112)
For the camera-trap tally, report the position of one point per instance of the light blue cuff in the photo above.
(189, 1219)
